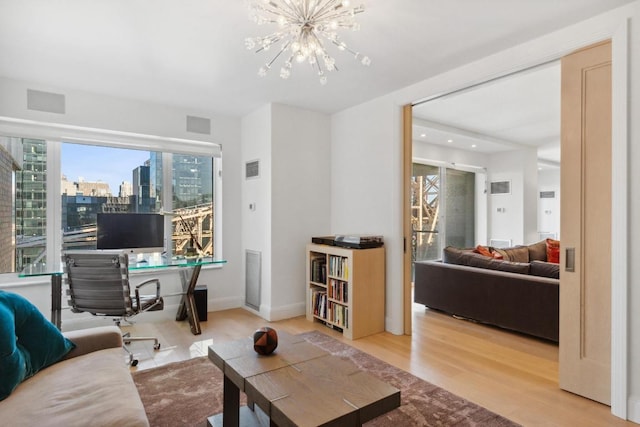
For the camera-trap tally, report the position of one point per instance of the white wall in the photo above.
(513, 216)
(549, 209)
(368, 134)
(115, 114)
(366, 187)
(256, 224)
(301, 202)
(291, 197)
(633, 215)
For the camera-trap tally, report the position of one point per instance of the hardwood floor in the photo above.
(513, 375)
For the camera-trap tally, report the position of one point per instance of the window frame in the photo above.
(56, 134)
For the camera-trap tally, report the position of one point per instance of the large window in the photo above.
(48, 186)
(443, 210)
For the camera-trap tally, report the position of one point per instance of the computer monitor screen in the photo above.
(132, 232)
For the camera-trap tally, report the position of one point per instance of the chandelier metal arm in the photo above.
(289, 15)
(327, 7)
(282, 49)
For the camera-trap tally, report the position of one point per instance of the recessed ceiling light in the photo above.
(423, 135)
(449, 141)
(474, 146)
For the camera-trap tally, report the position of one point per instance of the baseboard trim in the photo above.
(634, 409)
(273, 314)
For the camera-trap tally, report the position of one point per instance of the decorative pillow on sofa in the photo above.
(545, 269)
(553, 250)
(515, 254)
(538, 251)
(488, 251)
(28, 342)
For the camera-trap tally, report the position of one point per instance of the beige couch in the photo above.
(92, 386)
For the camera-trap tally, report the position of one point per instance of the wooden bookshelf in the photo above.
(346, 289)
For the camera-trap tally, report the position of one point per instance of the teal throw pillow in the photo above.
(28, 342)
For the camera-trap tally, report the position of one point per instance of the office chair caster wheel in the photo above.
(156, 346)
(134, 362)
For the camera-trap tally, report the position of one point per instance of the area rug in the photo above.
(186, 393)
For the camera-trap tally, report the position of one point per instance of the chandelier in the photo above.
(305, 27)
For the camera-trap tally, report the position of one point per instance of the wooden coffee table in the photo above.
(298, 385)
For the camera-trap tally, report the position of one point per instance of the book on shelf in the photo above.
(319, 303)
(338, 290)
(339, 266)
(319, 269)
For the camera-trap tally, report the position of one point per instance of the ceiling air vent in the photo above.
(547, 194)
(501, 187)
(252, 169)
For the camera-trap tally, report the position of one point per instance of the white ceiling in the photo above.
(520, 110)
(190, 53)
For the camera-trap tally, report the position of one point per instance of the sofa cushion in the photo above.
(471, 259)
(28, 342)
(453, 255)
(538, 251)
(95, 389)
(545, 269)
(515, 254)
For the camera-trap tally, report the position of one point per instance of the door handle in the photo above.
(570, 260)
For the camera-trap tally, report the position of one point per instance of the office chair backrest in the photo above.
(98, 282)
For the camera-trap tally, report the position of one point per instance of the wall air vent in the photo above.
(501, 187)
(46, 101)
(253, 269)
(252, 169)
(500, 243)
(199, 125)
(547, 194)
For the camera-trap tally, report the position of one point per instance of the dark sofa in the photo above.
(477, 287)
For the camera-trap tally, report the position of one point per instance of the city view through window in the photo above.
(95, 179)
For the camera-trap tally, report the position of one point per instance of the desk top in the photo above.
(145, 263)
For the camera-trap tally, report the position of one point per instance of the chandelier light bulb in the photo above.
(285, 73)
(305, 31)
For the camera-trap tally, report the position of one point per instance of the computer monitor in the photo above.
(132, 232)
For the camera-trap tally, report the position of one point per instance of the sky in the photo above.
(93, 163)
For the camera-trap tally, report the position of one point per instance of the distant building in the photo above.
(10, 161)
(86, 188)
(31, 203)
(125, 190)
(142, 190)
(189, 187)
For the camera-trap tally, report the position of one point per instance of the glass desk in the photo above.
(189, 269)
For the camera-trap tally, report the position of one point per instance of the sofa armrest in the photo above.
(93, 339)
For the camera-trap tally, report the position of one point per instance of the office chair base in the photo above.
(127, 339)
